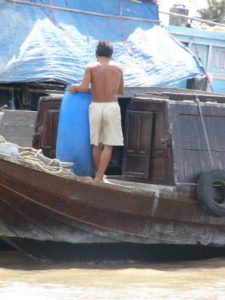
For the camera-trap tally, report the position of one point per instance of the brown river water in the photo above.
(22, 277)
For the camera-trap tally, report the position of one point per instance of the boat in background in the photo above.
(209, 48)
(167, 182)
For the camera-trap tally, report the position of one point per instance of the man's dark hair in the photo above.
(104, 48)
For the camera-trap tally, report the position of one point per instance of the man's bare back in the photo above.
(106, 81)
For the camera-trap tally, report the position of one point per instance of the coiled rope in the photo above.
(35, 158)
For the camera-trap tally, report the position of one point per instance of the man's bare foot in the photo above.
(98, 179)
(102, 180)
(106, 180)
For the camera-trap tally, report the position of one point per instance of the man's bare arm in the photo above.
(83, 87)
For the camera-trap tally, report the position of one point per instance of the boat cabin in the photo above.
(170, 137)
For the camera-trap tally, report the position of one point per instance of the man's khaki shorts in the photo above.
(105, 124)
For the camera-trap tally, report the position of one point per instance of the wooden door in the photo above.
(49, 134)
(137, 147)
(46, 125)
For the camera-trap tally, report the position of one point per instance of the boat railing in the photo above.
(202, 97)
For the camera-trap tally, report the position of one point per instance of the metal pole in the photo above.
(193, 18)
(77, 11)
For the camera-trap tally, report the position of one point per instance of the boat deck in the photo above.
(140, 186)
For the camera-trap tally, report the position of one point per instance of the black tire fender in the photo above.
(206, 196)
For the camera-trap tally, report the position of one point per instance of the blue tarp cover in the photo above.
(40, 43)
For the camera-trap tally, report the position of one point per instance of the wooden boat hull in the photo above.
(43, 207)
(64, 252)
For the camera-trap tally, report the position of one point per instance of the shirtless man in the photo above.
(107, 83)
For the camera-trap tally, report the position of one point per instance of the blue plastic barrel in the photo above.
(73, 136)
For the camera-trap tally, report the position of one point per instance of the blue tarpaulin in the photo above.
(43, 40)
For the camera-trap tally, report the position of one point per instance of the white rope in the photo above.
(205, 132)
(30, 155)
(35, 158)
(2, 139)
